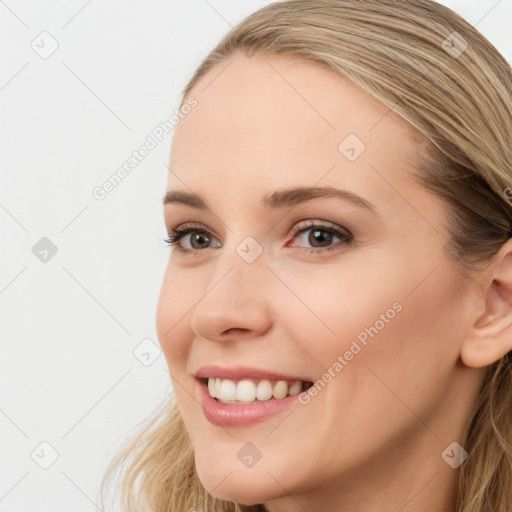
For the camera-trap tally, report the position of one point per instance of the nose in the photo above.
(235, 303)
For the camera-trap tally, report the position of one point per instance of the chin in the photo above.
(230, 480)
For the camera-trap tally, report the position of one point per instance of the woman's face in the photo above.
(371, 311)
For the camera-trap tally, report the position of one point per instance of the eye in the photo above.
(321, 237)
(199, 240)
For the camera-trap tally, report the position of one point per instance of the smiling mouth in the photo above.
(245, 391)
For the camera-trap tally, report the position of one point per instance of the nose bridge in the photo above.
(236, 296)
(241, 262)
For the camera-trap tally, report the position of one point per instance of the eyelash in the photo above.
(346, 238)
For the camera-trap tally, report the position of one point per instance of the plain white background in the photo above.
(79, 361)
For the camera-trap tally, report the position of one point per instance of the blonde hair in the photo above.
(462, 103)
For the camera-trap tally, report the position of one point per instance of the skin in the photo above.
(372, 439)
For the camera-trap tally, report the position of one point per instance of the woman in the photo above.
(336, 311)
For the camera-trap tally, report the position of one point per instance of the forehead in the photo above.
(275, 121)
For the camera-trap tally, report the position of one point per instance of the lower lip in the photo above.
(236, 415)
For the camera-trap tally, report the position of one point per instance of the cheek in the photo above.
(171, 319)
(410, 359)
(331, 307)
(396, 319)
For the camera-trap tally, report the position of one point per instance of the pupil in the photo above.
(316, 236)
(198, 237)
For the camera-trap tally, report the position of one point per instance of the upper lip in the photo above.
(244, 372)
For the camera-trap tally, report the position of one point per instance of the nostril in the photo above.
(227, 332)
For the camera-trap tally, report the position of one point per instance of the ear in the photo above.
(490, 336)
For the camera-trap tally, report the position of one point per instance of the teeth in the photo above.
(295, 387)
(227, 390)
(280, 389)
(246, 391)
(211, 388)
(264, 390)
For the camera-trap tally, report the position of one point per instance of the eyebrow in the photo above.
(277, 199)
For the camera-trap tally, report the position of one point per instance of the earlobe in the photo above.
(490, 336)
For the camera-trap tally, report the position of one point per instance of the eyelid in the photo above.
(311, 223)
(298, 226)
